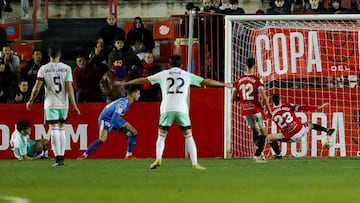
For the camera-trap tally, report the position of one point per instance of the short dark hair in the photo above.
(22, 125)
(250, 62)
(175, 61)
(131, 89)
(276, 99)
(54, 51)
(234, 2)
(36, 50)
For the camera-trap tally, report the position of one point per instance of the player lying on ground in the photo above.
(23, 147)
(292, 129)
(111, 119)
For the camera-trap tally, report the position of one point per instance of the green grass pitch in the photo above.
(318, 180)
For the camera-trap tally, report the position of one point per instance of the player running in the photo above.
(175, 87)
(292, 129)
(111, 119)
(247, 90)
(57, 79)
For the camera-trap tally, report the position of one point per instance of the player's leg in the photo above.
(40, 147)
(274, 143)
(104, 128)
(329, 131)
(52, 118)
(131, 134)
(255, 121)
(165, 121)
(184, 122)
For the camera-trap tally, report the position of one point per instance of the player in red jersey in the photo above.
(247, 90)
(292, 129)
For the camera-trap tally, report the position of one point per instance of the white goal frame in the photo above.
(228, 56)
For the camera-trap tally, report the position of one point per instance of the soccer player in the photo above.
(111, 119)
(292, 129)
(247, 90)
(23, 147)
(175, 87)
(57, 79)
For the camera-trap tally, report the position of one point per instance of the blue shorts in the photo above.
(105, 124)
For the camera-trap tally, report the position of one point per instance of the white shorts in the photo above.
(255, 121)
(303, 132)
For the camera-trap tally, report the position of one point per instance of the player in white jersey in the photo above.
(175, 87)
(57, 79)
(23, 147)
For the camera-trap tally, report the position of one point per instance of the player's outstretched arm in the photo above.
(266, 101)
(136, 81)
(34, 93)
(324, 105)
(210, 82)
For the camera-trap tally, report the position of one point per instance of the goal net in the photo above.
(309, 60)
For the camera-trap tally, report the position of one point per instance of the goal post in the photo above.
(309, 60)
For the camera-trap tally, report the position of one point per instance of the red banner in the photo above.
(315, 50)
(82, 130)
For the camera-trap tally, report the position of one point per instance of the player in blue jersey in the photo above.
(175, 87)
(111, 119)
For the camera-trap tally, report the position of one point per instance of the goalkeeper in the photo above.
(111, 118)
(292, 129)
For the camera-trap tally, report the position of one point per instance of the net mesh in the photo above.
(309, 63)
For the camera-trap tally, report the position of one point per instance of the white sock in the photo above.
(191, 148)
(160, 145)
(62, 141)
(55, 141)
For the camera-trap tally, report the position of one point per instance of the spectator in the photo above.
(121, 50)
(86, 81)
(7, 6)
(208, 7)
(315, 7)
(110, 31)
(139, 38)
(149, 92)
(224, 5)
(1, 8)
(7, 81)
(299, 7)
(234, 8)
(119, 69)
(99, 56)
(21, 93)
(191, 7)
(217, 4)
(335, 7)
(25, 5)
(110, 91)
(11, 59)
(278, 7)
(29, 72)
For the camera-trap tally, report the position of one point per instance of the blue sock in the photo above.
(131, 143)
(94, 146)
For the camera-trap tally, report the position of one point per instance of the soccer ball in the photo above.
(327, 142)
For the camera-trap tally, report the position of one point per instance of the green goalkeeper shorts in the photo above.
(167, 119)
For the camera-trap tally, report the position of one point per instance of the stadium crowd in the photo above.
(120, 56)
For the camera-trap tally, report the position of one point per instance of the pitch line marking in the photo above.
(14, 199)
